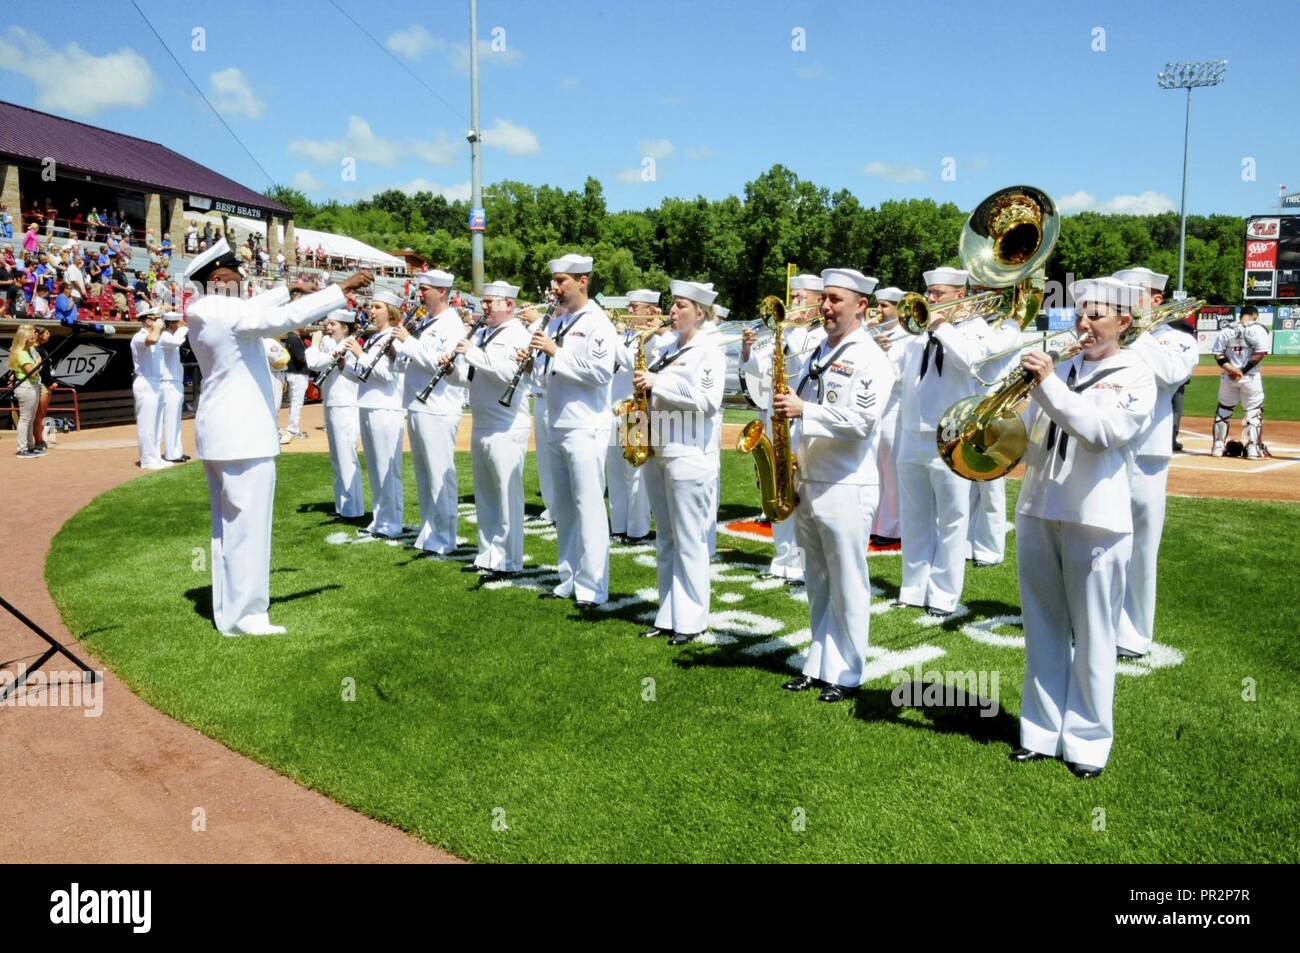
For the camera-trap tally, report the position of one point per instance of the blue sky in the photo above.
(882, 99)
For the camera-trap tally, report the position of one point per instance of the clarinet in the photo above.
(443, 369)
(322, 376)
(380, 344)
(508, 398)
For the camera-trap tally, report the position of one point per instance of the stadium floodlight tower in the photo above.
(1188, 76)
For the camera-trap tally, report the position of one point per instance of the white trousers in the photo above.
(297, 384)
(498, 465)
(342, 430)
(681, 493)
(381, 438)
(148, 419)
(986, 534)
(885, 522)
(830, 525)
(577, 462)
(277, 393)
(242, 496)
(1148, 478)
(934, 508)
(433, 454)
(173, 404)
(787, 562)
(1071, 589)
(543, 458)
(1249, 393)
(715, 502)
(629, 506)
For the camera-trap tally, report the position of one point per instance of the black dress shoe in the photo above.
(655, 633)
(1024, 754)
(884, 541)
(681, 638)
(835, 693)
(978, 564)
(1083, 771)
(1178, 447)
(1124, 654)
(473, 568)
(637, 540)
(801, 684)
(586, 604)
(939, 613)
(552, 595)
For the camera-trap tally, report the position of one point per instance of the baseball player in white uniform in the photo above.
(577, 356)
(382, 414)
(836, 405)
(342, 421)
(171, 387)
(235, 428)
(800, 341)
(146, 388)
(486, 364)
(934, 502)
(1074, 525)
(1239, 349)
(431, 423)
(686, 383)
(1170, 355)
(884, 529)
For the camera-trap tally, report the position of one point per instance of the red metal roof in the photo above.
(37, 136)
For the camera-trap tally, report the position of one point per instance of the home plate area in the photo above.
(730, 626)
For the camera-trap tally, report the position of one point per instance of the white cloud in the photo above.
(74, 81)
(700, 152)
(232, 95)
(487, 57)
(460, 192)
(412, 42)
(1147, 203)
(511, 138)
(655, 148)
(633, 176)
(810, 72)
(896, 173)
(305, 182)
(361, 143)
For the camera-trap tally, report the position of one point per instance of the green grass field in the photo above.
(505, 728)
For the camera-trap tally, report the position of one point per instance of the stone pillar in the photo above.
(273, 241)
(289, 238)
(12, 199)
(153, 215)
(176, 226)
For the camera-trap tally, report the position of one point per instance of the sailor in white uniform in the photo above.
(146, 388)
(486, 364)
(710, 335)
(800, 340)
(884, 530)
(534, 383)
(1238, 349)
(235, 428)
(172, 386)
(629, 506)
(1170, 356)
(1074, 529)
(342, 420)
(379, 397)
(934, 502)
(686, 383)
(576, 353)
(986, 535)
(837, 406)
(432, 423)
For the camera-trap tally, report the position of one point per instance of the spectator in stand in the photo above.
(6, 223)
(41, 302)
(51, 217)
(92, 224)
(8, 287)
(119, 288)
(31, 241)
(65, 309)
(22, 362)
(76, 280)
(207, 234)
(166, 247)
(47, 386)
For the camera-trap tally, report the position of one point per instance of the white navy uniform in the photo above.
(844, 390)
(498, 443)
(578, 422)
(146, 388)
(886, 519)
(798, 344)
(629, 506)
(709, 335)
(986, 537)
(342, 428)
(681, 476)
(1170, 355)
(934, 502)
(237, 440)
(383, 419)
(1239, 343)
(534, 383)
(1074, 527)
(432, 426)
(171, 388)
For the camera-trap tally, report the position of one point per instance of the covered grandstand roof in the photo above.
(37, 136)
(336, 246)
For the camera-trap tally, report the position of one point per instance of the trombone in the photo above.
(915, 313)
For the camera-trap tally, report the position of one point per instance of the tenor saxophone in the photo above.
(634, 412)
(774, 458)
